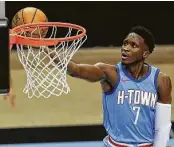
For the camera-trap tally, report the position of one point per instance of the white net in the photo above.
(44, 76)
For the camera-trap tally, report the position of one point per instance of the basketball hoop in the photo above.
(44, 77)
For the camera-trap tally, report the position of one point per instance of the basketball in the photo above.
(31, 15)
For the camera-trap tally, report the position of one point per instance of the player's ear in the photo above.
(146, 54)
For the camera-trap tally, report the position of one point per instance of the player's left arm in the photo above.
(11, 95)
(163, 111)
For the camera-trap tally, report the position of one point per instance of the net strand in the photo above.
(44, 76)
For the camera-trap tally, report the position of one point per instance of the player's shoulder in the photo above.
(164, 88)
(164, 80)
(163, 77)
(109, 70)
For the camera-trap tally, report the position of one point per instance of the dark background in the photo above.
(107, 23)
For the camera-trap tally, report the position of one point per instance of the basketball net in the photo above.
(44, 76)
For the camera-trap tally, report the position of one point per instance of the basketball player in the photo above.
(136, 96)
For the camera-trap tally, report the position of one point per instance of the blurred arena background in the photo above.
(78, 115)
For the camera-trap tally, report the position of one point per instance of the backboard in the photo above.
(4, 51)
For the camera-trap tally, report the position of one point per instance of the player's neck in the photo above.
(136, 70)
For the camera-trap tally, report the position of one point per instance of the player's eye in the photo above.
(134, 45)
(125, 43)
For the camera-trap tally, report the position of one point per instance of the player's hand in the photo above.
(47, 50)
(11, 96)
(52, 54)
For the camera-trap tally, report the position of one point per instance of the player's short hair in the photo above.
(146, 35)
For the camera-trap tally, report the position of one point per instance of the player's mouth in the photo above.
(124, 56)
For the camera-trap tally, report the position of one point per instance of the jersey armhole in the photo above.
(156, 79)
(117, 82)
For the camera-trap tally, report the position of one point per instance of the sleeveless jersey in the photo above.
(129, 109)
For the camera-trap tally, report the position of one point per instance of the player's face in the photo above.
(133, 49)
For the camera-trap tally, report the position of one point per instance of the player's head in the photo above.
(137, 46)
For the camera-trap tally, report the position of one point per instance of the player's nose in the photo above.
(125, 49)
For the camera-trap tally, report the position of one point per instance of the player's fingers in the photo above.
(46, 50)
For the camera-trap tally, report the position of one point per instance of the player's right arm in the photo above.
(92, 73)
(163, 111)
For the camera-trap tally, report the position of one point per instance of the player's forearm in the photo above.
(84, 71)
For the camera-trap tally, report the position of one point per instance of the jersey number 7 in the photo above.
(137, 109)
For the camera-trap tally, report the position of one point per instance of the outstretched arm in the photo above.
(87, 72)
(163, 111)
(92, 73)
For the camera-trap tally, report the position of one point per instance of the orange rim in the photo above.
(15, 38)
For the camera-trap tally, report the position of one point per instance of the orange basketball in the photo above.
(31, 15)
